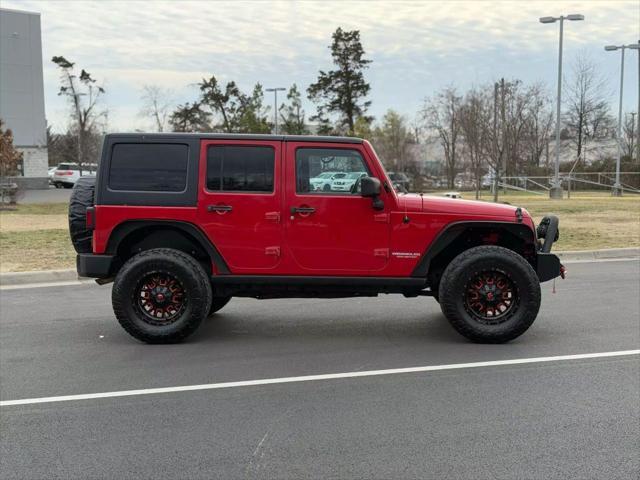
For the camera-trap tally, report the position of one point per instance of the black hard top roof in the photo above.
(236, 136)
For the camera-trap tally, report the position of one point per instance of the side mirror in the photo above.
(370, 187)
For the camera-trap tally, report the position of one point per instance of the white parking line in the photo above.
(310, 378)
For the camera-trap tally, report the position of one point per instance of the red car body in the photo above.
(343, 237)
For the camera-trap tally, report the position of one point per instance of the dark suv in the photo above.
(181, 223)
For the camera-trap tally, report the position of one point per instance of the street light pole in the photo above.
(275, 104)
(556, 188)
(617, 187)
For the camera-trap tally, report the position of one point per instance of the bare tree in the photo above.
(472, 118)
(587, 110)
(442, 116)
(10, 157)
(628, 135)
(391, 138)
(83, 94)
(156, 104)
(539, 122)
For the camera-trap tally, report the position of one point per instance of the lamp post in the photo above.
(556, 187)
(617, 187)
(275, 104)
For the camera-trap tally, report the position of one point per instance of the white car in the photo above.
(344, 184)
(66, 175)
(324, 181)
(50, 174)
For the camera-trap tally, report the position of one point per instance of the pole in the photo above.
(632, 138)
(638, 110)
(495, 142)
(556, 188)
(617, 190)
(275, 108)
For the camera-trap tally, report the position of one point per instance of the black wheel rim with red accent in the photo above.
(490, 297)
(160, 298)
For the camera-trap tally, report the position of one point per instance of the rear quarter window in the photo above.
(148, 167)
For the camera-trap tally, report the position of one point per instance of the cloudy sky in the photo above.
(416, 47)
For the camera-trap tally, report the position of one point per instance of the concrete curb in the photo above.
(39, 276)
(53, 276)
(605, 254)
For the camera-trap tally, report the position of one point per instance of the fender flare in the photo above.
(122, 230)
(453, 230)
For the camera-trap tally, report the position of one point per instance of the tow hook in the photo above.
(563, 272)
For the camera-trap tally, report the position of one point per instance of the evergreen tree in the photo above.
(190, 117)
(342, 91)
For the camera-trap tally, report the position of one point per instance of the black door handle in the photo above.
(306, 210)
(219, 208)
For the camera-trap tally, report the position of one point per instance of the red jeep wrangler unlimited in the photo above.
(183, 222)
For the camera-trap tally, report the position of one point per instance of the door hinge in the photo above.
(273, 251)
(381, 252)
(381, 218)
(272, 216)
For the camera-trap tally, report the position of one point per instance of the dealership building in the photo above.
(22, 92)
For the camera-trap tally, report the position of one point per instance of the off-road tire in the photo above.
(460, 272)
(82, 197)
(217, 304)
(188, 272)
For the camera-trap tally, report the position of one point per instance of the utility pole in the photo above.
(495, 142)
(632, 137)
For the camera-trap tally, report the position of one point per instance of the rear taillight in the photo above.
(64, 172)
(91, 218)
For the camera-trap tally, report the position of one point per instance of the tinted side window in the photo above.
(329, 171)
(149, 167)
(240, 168)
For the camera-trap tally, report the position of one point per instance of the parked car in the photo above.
(324, 181)
(183, 223)
(50, 174)
(346, 183)
(66, 175)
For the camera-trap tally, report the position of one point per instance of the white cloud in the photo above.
(415, 46)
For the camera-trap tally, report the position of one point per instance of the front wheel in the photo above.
(161, 295)
(490, 294)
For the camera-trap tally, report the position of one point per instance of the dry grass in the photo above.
(36, 237)
(588, 220)
(36, 250)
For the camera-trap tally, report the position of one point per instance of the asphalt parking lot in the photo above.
(577, 418)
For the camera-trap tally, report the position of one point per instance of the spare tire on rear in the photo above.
(82, 197)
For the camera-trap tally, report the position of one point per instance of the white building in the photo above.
(22, 92)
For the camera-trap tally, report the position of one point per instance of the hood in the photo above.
(413, 202)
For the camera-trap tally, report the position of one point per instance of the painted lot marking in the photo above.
(311, 378)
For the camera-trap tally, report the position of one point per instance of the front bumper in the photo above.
(95, 266)
(548, 266)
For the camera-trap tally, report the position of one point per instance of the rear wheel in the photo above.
(490, 294)
(161, 296)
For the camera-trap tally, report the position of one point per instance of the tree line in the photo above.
(501, 128)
